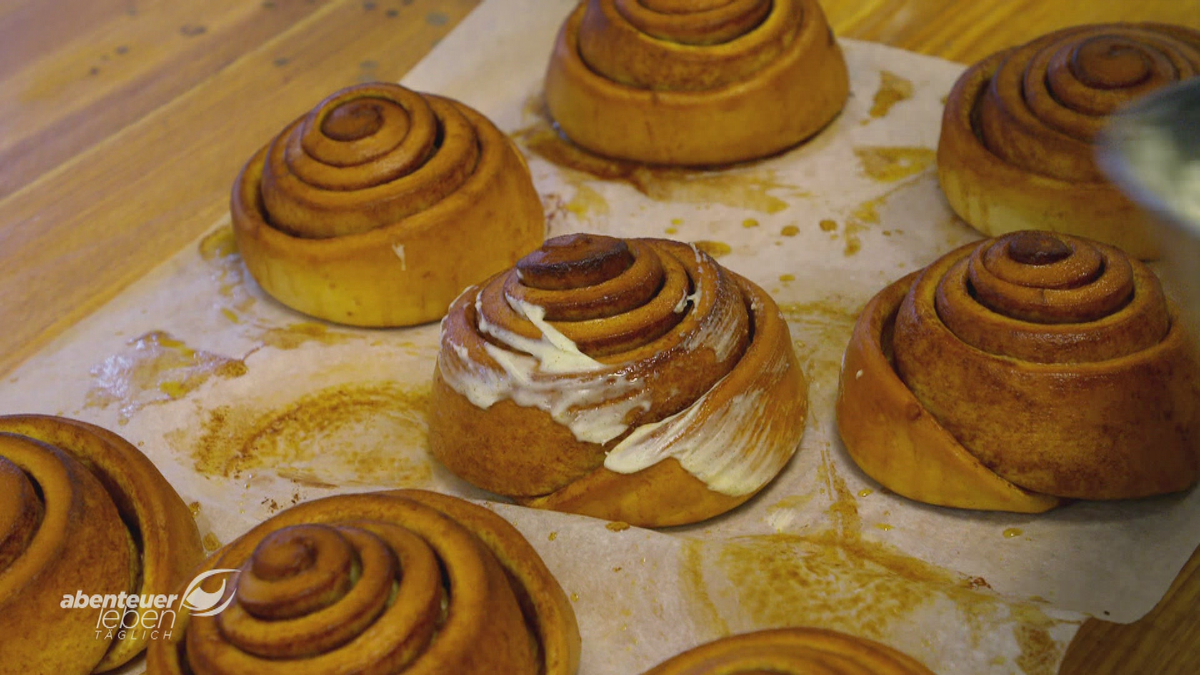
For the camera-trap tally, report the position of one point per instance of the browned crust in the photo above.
(996, 197)
(781, 105)
(484, 227)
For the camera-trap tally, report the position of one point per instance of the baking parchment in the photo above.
(248, 407)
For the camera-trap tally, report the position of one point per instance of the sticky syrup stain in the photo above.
(789, 231)
(820, 331)
(294, 335)
(211, 543)
(888, 164)
(827, 225)
(892, 90)
(866, 214)
(853, 242)
(865, 492)
(587, 202)
(219, 250)
(552, 536)
(1013, 532)
(836, 579)
(782, 513)
(749, 223)
(156, 368)
(361, 434)
(715, 249)
(744, 186)
(616, 526)
(787, 278)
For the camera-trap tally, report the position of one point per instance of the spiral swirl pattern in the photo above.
(792, 651)
(81, 510)
(1049, 99)
(375, 180)
(709, 64)
(403, 582)
(1019, 134)
(595, 359)
(1054, 364)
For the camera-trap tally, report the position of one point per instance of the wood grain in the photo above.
(124, 122)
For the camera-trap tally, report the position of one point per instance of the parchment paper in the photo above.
(248, 407)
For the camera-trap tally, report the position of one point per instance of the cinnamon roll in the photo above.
(792, 651)
(694, 82)
(635, 380)
(397, 582)
(1020, 371)
(1019, 130)
(379, 205)
(84, 516)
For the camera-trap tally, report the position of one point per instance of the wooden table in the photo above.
(125, 121)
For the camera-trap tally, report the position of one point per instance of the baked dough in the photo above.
(634, 380)
(381, 204)
(694, 83)
(1018, 140)
(1020, 371)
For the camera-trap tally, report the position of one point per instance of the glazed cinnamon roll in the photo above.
(694, 82)
(1018, 141)
(635, 380)
(398, 582)
(83, 516)
(379, 205)
(1019, 371)
(792, 651)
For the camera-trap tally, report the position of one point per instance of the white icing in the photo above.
(728, 448)
(398, 249)
(720, 335)
(551, 374)
(555, 352)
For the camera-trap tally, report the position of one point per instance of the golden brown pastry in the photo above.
(791, 651)
(378, 206)
(391, 582)
(82, 514)
(1018, 371)
(694, 82)
(635, 380)
(1018, 142)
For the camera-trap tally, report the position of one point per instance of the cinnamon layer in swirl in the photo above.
(83, 510)
(1018, 140)
(1019, 371)
(634, 380)
(379, 205)
(397, 582)
(694, 82)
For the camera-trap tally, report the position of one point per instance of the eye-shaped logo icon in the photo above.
(200, 602)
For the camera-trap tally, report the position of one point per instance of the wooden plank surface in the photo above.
(124, 122)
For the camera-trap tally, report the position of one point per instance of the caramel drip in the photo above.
(1049, 99)
(365, 157)
(1050, 298)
